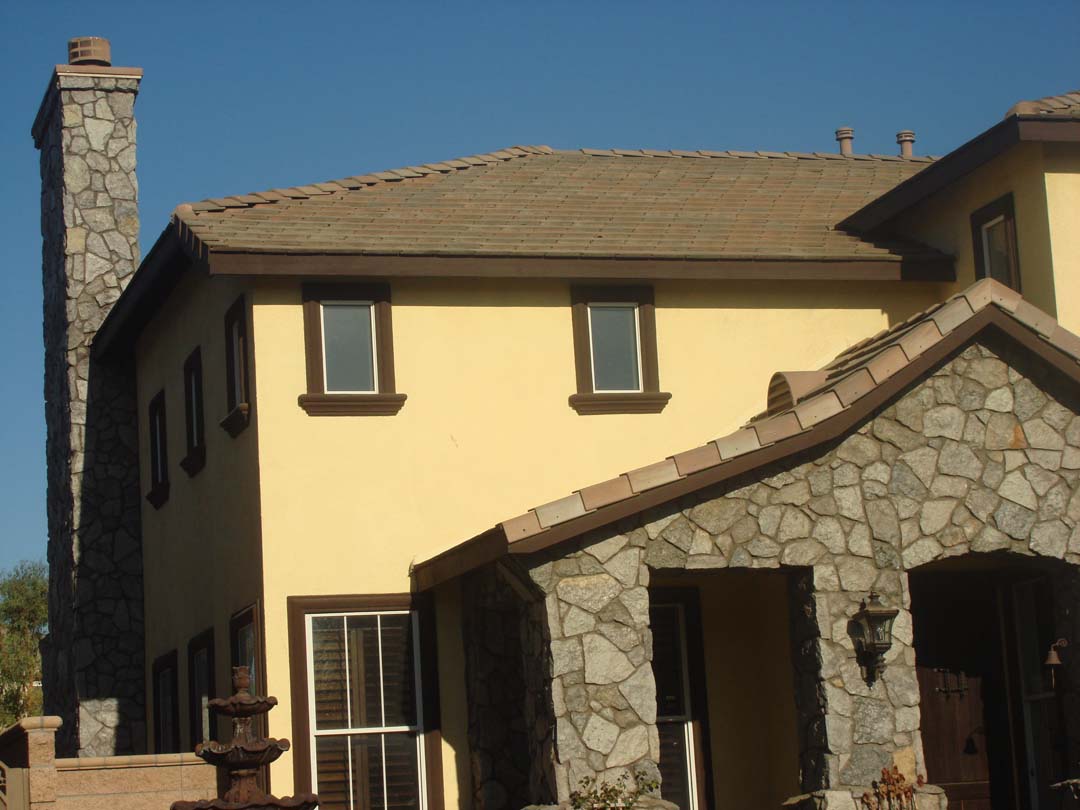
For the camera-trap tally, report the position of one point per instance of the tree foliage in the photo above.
(24, 615)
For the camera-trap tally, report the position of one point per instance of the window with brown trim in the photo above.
(158, 436)
(365, 700)
(237, 382)
(201, 688)
(245, 648)
(349, 347)
(615, 354)
(993, 234)
(166, 710)
(194, 418)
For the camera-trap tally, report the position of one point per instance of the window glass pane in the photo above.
(399, 685)
(367, 772)
(328, 665)
(332, 772)
(245, 653)
(667, 662)
(238, 363)
(365, 698)
(402, 771)
(613, 331)
(347, 347)
(996, 251)
(200, 663)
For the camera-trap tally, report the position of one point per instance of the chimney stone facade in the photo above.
(93, 668)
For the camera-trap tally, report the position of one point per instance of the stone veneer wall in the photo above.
(978, 458)
(93, 658)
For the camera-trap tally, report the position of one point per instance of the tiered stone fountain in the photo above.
(242, 758)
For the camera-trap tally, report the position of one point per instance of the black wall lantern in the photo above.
(871, 630)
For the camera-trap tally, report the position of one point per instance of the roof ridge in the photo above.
(358, 182)
(750, 155)
(855, 372)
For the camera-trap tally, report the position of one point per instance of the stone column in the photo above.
(602, 686)
(93, 658)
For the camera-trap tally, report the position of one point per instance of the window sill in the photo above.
(158, 495)
(351, 404)
(237, 419)
(630, 402)
(194, 461)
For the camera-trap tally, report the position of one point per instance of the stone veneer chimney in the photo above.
(93, 657)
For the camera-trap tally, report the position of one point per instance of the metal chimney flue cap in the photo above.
(89, 51)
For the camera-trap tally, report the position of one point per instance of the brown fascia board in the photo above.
(158, 274)
(961, 161)
(330, 265)
(458, 560)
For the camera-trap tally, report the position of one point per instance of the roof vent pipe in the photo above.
(906, 139)
(845, 136)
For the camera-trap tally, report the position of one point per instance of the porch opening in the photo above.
(992, 711)
(724, 689)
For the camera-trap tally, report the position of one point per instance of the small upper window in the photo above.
(348, 340)
(615, 351)
(993, 231)
(237, 389)
(194, 422)
(615, 346)
(349, 344)
(157, 433)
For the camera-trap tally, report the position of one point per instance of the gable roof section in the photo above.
(590, 203)
(1054, 119)
(861, 379)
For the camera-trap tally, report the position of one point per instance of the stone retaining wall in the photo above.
(982, 457)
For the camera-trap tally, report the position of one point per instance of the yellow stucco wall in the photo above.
(201, 554)
(1062, 165)
(944, 220)
(349, 502)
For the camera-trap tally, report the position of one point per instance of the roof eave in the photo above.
(960, 162)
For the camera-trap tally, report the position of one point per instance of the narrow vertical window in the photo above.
(348, 340)
(244, 643)
(201, 687)
(194, 420)
(615, 353)
(157, 436)
(993, 233)
(614, 345)
(365, 713)
(166, 716)
(237, 383)
(349, 347)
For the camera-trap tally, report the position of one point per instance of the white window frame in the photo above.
(637, 345)
(315, 733)
(374, 347)
(984, 233)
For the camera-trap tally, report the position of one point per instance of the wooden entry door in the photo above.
(954, 734)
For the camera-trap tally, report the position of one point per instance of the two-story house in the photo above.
(433, 450)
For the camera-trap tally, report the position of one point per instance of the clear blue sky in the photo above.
(243, 96)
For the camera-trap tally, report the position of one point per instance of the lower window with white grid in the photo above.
(365, 710)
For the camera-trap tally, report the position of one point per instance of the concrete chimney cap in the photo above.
(89, 51)
(905, 135)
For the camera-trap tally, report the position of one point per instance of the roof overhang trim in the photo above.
(960, 162)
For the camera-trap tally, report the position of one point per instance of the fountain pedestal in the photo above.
(244, 755)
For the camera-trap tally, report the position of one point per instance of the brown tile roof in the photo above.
(1067, 105)
(860, 379)
(611, 203)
